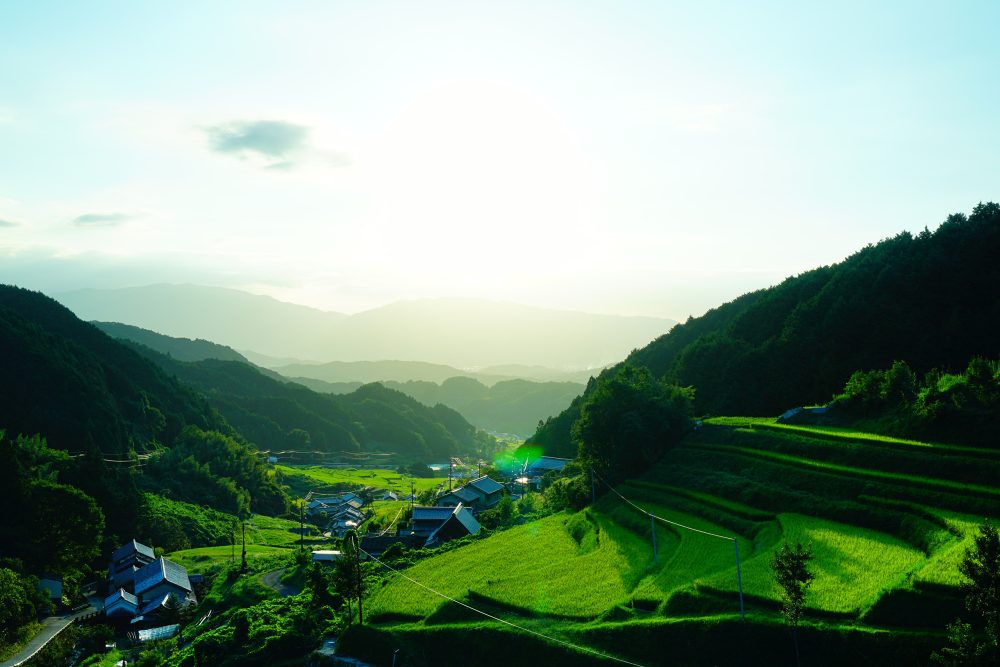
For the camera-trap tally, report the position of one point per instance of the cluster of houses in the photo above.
(455, 512)
(144, 590)
(340, 512)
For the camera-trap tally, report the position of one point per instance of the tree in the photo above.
(981, 569)
(16, 605)
(630, 420)
(792, 574)
(963, 650)
(346, 579)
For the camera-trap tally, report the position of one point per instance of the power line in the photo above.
(660, 518)
(500, 620)
(736, 544)
(392, 523)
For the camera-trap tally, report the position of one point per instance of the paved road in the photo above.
(51, 627)
(273, 581)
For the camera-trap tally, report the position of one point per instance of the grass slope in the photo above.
(888, 521)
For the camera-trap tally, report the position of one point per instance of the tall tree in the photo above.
(630, 420)
(791, 573)
(981, 568)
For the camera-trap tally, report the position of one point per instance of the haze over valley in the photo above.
(572, 334)
(464, 333)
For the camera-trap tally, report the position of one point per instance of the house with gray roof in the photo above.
(327, 507)
(163, 576)
(544, 464)
(125, 562)
(146, 584)
(121, 605)
(459, 524)
(477, 495)
(427, 519)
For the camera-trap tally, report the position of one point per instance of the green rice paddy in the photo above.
(859, 519)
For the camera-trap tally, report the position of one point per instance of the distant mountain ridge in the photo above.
(508, 406)
(182, 349)
(80, 388)
(464, 333)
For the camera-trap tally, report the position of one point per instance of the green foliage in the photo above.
(176, 525)
(916, 298)
(960, 407)
(981, 568)
(266, 410)
(19, 603)
(268, 632)
(49, 525)
(214, 469)
(629, 421)
(500, 516)
(791, 573)
(572, 493)
(964, 648)
(74, 384)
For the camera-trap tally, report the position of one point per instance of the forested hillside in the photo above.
(182, 349)
(285, 415)
(932, 300)
(78, 387)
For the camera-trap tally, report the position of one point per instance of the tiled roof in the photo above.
(122, 594)
(486, 485)
(431, 513)
(463, 516)
(464, 494)
(160, 570)
(132, 547)
(152, 605)
(549, 463)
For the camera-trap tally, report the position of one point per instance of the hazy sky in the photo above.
(624, 157)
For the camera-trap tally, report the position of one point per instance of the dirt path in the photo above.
(273, 581)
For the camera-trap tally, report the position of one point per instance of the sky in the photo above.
(638, 158)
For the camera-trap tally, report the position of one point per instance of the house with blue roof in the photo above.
(459, 524)
(141, 585)
(125, 562)
(478, 495)
(440, 524)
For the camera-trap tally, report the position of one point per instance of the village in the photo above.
(148, 596)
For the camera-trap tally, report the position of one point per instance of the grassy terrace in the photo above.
(913, 480)
(841, 434)
(309, 478)
(266, 536)
(888, 522)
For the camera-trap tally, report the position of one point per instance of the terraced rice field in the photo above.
(538, 567)
(881, 515)
(350, 478)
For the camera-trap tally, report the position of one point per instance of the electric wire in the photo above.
(660, 518)
(501, 620)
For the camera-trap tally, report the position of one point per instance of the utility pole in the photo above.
(243, 524)
(302, 524)
(357, 565)
(412, 495)
(451, 464)
(739, 580)
(593, 492)
(652, 526)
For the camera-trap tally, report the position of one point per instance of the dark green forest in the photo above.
(182, 349)
(97, 435)
(267, 411)
(930, 299)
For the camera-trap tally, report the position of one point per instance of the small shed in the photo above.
(326, 556)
